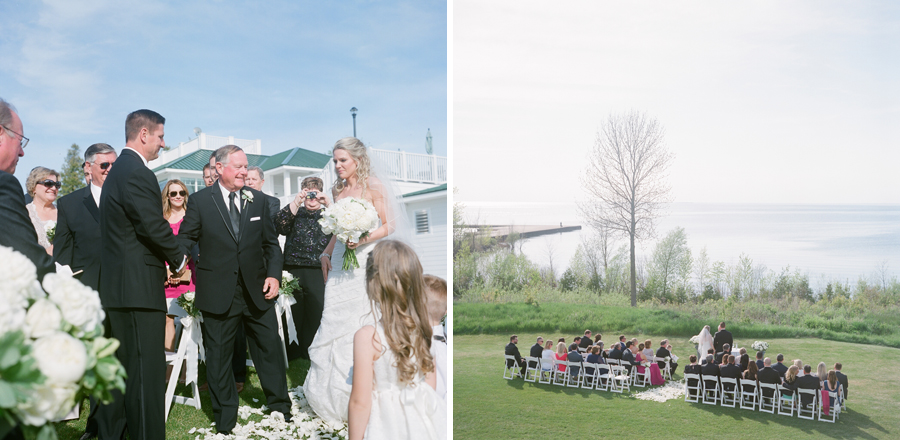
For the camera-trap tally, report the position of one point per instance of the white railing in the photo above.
(206, 142)
(400, 166)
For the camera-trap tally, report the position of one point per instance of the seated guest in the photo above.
(561, 355)
(832, 385)
(578, 340)
(693, 368)
(547, 355)
(585, 340)
(730, 370)
(595, 358)
(710, 372)
(744, 360)
(621, 342)
(628, 356)
(749, 377)
(663, 352)
(790, 381)
(841, 377)
(574, 356)
(597, 338)
(808, 382)
(512, 350)
(780, 367)
(708, 352)
(799, 366)
(821, 373)
(768, 375)
(759, 360)
(615, 352)
(726, 350)
(537, 349)
(563, 340)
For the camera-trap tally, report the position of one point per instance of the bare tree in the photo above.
(550, 252)
(625, 179)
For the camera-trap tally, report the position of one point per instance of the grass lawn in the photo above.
(486, 406)
(182, 417)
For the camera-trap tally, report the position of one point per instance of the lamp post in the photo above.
(353, 112)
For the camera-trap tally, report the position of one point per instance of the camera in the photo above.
(311, 194)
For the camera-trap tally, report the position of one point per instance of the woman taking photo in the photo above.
(43, 186)
(174, 201)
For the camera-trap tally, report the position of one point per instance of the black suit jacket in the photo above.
(808, 382)
(628, 356)
(512, 350)
(585, 342)
(536, 351)
(768, 375)
(77, 242)
(254, 253)
(732, 371)
(273, 204)
(663, 352)
(614, 353)
(721, 338)
(842, 378)
(692, 369)
(17, 230)
(135, 238)
(780, 368)
(710, 373)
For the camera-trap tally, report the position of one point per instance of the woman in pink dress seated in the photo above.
(561, 355)
(174, 199)
(655, 375)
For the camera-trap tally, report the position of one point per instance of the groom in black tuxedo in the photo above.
(136, 240)
(237, 281)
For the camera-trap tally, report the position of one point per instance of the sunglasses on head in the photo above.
(51, 183)
(181, 193)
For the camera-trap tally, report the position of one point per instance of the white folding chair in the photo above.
(546, 374)
(560, 376)
(786, 398)
(712, 391)
(604, 381)
(176, 360)
(532, 369)
(641, 379)
(511, 372)
(749, 394)
(834, 407)
(807, 412)
(574, 380)
(666, 370)
(697, 388)
(621, 379)
(729, 398)
(589, 380)
(768, 404)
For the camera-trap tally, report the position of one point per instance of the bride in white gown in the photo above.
(347, 308)
(706, 342)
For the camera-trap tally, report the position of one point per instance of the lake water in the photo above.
(826, 242)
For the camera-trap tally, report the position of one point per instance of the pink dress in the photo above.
(175, 292)
(561, 357)
(655, 375)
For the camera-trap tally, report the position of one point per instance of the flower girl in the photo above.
(393, 394)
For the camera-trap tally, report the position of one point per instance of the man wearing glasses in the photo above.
(17, 232)
(77, 242)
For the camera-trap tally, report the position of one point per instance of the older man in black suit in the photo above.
(808, 382)
(663, 352)
(77, 242)
(18, 231)
(710, 372)
(237, 282)
(136, 241)
(768, 375)
(537, 349)
(693, 368)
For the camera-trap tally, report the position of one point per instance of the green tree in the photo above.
(670, 265)
(72, 174)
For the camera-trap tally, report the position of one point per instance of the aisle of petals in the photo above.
(305, 424)
(671, 390)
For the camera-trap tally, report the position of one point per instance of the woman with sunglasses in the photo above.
(43, 186)
(174, 201)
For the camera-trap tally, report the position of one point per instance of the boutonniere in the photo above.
(247, 195)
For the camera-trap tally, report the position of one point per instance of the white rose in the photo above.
(47, 402)
(189, 295)
(61, 357)
(80, 305)
(19, 275)
(43, 318)
(12, 316)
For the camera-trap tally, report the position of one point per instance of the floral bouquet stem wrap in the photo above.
(349, 219)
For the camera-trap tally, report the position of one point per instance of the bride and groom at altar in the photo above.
(706, 341)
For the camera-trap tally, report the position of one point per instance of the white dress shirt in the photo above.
(95, 192)
(226, 194)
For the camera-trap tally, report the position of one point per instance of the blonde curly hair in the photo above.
(36, 175)
(357, 151)
(394, 280)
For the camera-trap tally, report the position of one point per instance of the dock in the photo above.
(501, 231)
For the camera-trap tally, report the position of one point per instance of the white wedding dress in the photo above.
(347, 309)
(706, 342)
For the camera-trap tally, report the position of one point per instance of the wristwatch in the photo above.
(325, 255)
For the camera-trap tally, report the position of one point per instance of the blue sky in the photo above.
(284, 72)
(761, 102)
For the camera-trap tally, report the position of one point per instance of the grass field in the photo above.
(486, 406)
(182, 418)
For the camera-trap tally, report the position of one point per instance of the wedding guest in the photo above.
(720, 355)
(832, 385)
(19, 232)
(597, 338)
(577, 340)
(799, 366)
(43, 186)
(622, 342)
(436, 295)
(768, 375)
(547, 356)
(585, 340)
(808, 382)
(710, 372)
(790, 381)
(563, 340)
(730, 370)
(512, 350)
(693, 368)
(255, 180)
(745, 360)
(648, 350)
(574, 356)
(759, 359)
(561, 354)
(821, 372)
(174, 202)
(841, 377)
(595, 358)
(307, 258)
(749, 377)
(780, 367)
(663, 352)
(537, 348)
(721, 338)
(615, 352)
(209, 175)
(628, 356)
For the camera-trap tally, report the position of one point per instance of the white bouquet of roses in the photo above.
(760, 346)
(186, 302)
(695, 339)
(349, 219)
(50, 229)
(52, 349)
